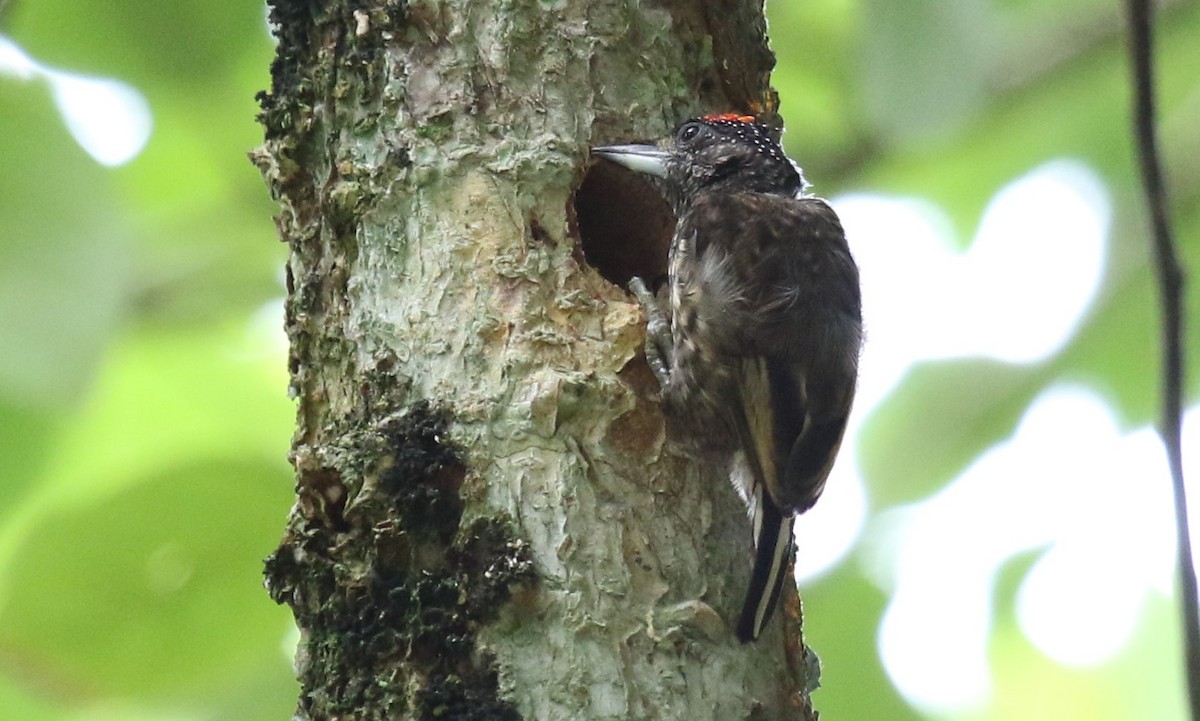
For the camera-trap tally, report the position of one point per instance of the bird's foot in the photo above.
(658, 331)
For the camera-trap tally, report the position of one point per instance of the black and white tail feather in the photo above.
(773, 552)
(772, 561)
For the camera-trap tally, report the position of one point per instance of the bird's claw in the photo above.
(658, 331)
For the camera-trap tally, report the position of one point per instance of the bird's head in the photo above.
(733, 153)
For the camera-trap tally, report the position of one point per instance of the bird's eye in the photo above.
(688, 132)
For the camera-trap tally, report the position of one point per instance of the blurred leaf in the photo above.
(925, 65)
(269, 694)
(169, 397)
(154, 589)
(195, 209)
(138, 509)
(853, 682)
(18, 704)
(64, 255)
(1116, 350)
(938, 420)
(157, 46)
(26, 437)
(815, 84)
(1080, 109)
(136, 567)
(1143, 682)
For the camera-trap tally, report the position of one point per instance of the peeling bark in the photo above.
(489, 522)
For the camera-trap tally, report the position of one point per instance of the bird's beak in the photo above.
(647, 159)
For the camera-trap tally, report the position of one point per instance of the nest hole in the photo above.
(623, 224)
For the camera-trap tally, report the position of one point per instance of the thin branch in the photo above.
(1170, 278)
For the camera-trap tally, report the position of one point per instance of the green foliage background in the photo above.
(143, 416)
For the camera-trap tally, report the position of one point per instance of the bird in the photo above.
(756, 348)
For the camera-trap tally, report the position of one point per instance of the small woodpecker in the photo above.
(757, 352)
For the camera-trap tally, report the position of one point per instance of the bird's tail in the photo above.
(772, 554)
(772, 417)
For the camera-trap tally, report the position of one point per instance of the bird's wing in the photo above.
(761, 429)
(779, 296)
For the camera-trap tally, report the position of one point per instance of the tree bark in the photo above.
(489, 521)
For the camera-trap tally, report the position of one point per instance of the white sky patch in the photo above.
(827, 532)
(14, 61)
(109, 119)
(1033, 269)
(925, 300)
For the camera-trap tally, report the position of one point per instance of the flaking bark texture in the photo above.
(489, 523)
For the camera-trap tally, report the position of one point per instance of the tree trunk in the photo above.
(489, 521)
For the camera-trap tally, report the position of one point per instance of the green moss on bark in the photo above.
(388, 582)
